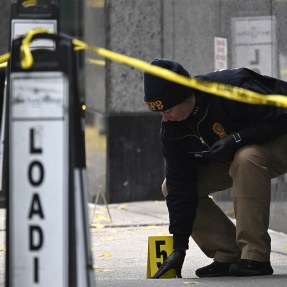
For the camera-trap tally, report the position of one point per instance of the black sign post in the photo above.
(2, 127)
(47, 231)
(27, 15)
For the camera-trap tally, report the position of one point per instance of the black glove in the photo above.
(174, 261)
(224, 149)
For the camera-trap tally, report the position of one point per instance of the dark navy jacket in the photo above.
(213, 118)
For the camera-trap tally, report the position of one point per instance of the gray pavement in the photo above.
(120, 249)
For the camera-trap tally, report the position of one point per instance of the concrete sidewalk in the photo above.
(120, 250)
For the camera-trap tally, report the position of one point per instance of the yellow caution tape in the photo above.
(96, 62)
(4, 58)
(96, 3)
(26, 55)
(222, 90)
(3, 65)
(28, 3)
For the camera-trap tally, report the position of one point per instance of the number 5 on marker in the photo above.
(159, 248)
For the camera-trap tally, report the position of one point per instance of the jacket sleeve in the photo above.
(182, 192)
(264, 132)
(265, 122)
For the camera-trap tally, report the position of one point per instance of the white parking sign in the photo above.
(38, 210)
(21, 26)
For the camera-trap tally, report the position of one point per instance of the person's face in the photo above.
(179, 112)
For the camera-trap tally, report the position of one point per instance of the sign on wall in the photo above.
(254, 44)
(220, 53)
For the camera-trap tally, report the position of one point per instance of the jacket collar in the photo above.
(201, 104)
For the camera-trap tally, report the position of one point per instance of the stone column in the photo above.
(126, 157)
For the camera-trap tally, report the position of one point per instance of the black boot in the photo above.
(245, 267)
(215, 269)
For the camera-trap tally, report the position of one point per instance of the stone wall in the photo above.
(122, 135)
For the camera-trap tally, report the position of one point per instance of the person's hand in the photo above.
(174, 261)
(223, 149)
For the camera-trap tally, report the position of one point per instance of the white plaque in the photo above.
(254, 44)
(38, 210)
(21, 26)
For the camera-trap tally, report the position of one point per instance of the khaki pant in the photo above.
(249, 175)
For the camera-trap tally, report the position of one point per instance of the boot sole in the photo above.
(212, 275)
(241, 272)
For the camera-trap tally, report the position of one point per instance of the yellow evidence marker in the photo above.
(159, 248)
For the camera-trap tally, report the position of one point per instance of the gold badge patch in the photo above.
(219, 130)
(155, 106)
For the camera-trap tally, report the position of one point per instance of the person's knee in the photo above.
(245, 154)
(246, 158)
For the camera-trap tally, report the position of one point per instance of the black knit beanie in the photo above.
(161, 94)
